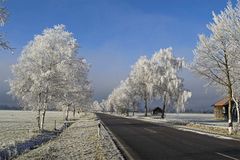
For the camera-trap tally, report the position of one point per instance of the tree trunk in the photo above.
(74, 111)
(146, 107)
(134, 107)
(230, 123)
(38, 119)
(164, 107)
(238, 118)
(230, 95)
(43, 118)
(39, 112)
(237, 109)
(67, 111)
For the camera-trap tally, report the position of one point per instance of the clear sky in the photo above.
(113, 34)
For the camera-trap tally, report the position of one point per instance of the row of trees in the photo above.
(216, 59)
(50, 76)
(150, 79)
(217, 56)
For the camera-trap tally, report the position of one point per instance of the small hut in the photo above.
(157, 111)
(221, 109)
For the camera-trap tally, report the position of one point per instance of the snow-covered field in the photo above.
(201, 118)
(79, 141)
(184, 118)
(17, 126)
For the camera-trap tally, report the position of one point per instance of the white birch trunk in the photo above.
(38, 112)
(230, 124)
(43, 117)
(237, 108)
(66, 113)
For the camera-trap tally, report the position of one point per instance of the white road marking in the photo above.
(227, 156)
(150, 130)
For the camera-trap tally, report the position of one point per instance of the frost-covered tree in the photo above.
(158, 78)
(118, 100)
(96, 106)
(48, 73)
(216, 57)
(75, 91)
(155, 78)
(115, 101)
(3, 18)
(103, 104)
(140, 80)
(166, 82)
(128, 99)
(131, 92)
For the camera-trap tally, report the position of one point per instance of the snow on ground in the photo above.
(209, 134)
(79, 141)
(182, 118)
(18, 126)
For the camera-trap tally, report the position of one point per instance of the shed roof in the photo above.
(222, 102)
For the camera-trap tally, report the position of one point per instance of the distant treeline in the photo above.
(9, 107)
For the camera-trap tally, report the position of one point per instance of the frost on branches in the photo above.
(167, 85)
(156, 78)
(3, 18)
(50, 76)
(123, 99)
(217, 58)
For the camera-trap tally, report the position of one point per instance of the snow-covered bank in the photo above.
(179, 118)
(21, 147)
(210, 130)
(107, 141)
(20, 126)
(18, 148)
(79, 141)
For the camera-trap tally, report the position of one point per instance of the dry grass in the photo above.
(212, 129)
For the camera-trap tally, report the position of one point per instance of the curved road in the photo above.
(141, 140)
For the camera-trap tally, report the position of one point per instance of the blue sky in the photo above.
(113, 34)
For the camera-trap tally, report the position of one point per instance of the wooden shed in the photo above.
(221, 108)
(157, 111)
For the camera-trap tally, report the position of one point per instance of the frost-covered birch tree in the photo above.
(128, 97)
(115, 101)
(166, 82)
(123, 98)
(48, 72)
(216, 57)
(75, 91)
(140, 80)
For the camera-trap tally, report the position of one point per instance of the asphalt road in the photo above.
(147, 141)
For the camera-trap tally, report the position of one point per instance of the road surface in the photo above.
(141, 140)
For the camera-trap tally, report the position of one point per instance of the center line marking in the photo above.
(227, 156)
(150, 130)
